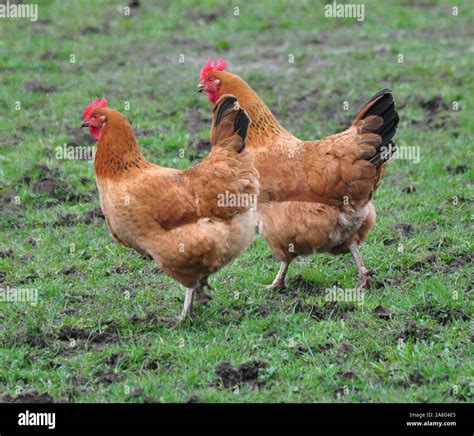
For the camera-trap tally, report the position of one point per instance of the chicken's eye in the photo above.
(210, 79)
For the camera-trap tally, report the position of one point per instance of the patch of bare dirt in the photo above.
(299, 284)
(92, 215)
(198, 119)
(107, 378)
(141, 132)
(413, 332)
(247, 373)
(421, 265)
(329, 311)
(442, 314)
(37, 86)
(79, 137)
(116, 359)
(202, 17)
(198, 147)
(433, 263)
(30, 396)
(66, 333)
(13, 139)
(67, 220)
(434, 105)
(49, 183)
(436, 114)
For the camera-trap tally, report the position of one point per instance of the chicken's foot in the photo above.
(364, 273)
(279, 282)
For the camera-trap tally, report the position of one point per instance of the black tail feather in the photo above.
(384, 107)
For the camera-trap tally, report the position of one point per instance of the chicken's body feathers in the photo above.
(315, 196)
(174, 216)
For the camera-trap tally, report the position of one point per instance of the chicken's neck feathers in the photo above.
(264, 126)
(118, 151)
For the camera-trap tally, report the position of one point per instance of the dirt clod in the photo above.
(383, 313)
(345, 348)
(379, 284)
(136, 392)
(348, 375)
(116, 358)
(414, 332)
(244, 373)
(409, 189)
(6, 253)
(193, 399)
(152, 364)
(403, 228)
(71, 271)
(458, 169)
(390, 241)
(94, 214)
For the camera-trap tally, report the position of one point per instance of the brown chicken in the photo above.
(315, 196)
(191, 222)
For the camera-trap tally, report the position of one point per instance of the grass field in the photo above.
(95, 333)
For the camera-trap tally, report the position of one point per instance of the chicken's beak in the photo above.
(201, 87)
(84, 124)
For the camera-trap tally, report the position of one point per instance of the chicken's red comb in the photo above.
(94, 105)
(210, 66)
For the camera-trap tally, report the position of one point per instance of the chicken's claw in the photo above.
(280, 286)
(364, 279)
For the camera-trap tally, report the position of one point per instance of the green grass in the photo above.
(112, 302)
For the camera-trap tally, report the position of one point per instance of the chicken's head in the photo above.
(211, 80)
(93, 119)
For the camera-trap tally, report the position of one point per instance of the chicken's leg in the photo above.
(279, 282)
(200, 294)
(188, 304)
(364, 273)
